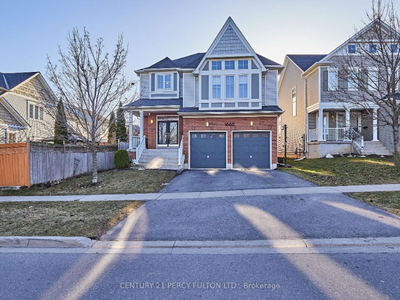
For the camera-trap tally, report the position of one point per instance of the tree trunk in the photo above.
(94, 162)
(396, 145)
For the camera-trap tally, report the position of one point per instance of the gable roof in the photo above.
(305, 61)
(164, 63)
(222, 46)
(10, 80)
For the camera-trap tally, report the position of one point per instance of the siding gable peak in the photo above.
(230, 42)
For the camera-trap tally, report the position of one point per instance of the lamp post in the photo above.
(285, 131)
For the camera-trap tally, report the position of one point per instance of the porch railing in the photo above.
(358, 141)
(313, 134)
(180, 153)
(125, 145)
(140, 148)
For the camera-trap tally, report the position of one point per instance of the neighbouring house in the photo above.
(217, 109)
(24, 102)
(319, 124)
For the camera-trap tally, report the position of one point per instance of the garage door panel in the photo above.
(251, 150)
(208, 150)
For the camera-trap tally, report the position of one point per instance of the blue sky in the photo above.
(154, 29)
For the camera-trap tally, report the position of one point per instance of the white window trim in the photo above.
(234, 65)
(221, 89)
(234, 83)
(238, 87)
(211, 67)
(156, 89)
(248, 68)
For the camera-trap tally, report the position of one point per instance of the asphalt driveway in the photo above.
(226, 180)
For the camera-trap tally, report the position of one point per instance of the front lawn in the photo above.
(345, 170)
(109, 182)
(89, 219)
(352, 171)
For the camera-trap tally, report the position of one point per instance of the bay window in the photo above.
(243, 86)
(216, 87)
(230, 87)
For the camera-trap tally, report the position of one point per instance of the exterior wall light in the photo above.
(151, 121)
(251, 123)
(207, 124)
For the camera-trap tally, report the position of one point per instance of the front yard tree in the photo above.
(60, 126)
(91, 83)
(112, 128)
(121, 126)
(368, 71)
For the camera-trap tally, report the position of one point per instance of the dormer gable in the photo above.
(230, 42)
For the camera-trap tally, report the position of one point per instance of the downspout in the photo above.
(305, 115)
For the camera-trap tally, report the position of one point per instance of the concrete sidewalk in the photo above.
(216, 194)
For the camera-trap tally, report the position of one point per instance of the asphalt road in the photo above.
(160, 276)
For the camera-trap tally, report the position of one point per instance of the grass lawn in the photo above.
(352, 171)
(109, 182)
(90, 219)
(345, 170)
(389, 201)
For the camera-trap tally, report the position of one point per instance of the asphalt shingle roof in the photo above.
(305, 61)
(10, 80)
(192, 61)
(155, 102)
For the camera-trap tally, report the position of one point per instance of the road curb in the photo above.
(46, 242)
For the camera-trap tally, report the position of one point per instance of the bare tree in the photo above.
(368, 69)
(91, 84)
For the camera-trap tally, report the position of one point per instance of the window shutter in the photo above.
(153, 81)
(175, 82)
(255, 84)
(204, 87)
(325, 80)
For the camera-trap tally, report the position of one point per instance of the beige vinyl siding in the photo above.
(7, 118)
(312, 88)
(296, 124)
(271, 94)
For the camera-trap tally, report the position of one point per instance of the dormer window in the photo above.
(243, 64)
(216, 65)
(352, 48)
(164, 82)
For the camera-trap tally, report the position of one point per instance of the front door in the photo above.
(167, 133)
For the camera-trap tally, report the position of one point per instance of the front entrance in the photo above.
(167, 133)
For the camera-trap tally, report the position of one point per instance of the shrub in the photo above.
(121, 159)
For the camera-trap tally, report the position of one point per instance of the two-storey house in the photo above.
(318, 122)
(216, 109)
(24, 103)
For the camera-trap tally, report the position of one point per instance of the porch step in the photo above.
(375, 147)
(160, 159)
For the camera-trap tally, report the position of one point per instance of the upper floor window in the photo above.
(36, 112)
(243, 86)
(372, 49)
(372, 79)
(352, 48)
(216, 65)
(352, 81)
(164, 82)
(294, 102)
(332, 79)
(31, 111)
(230, 65)
(230, 87)
(394, 48)
(243, 64)
(216, 87)
(41, 113)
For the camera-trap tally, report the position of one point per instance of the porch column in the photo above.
(375, 124)
(141, 125)
(130, 131)
(348, 123)
(321, 125)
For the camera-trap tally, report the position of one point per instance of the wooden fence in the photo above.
(14, 164)
(53, 162)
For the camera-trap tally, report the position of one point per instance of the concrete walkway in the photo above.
(216, 194)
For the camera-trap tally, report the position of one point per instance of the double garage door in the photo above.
(249, 149)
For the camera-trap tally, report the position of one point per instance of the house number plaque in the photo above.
(229, 124)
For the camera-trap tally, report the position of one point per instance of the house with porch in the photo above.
(217, 109)
(317, 123)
